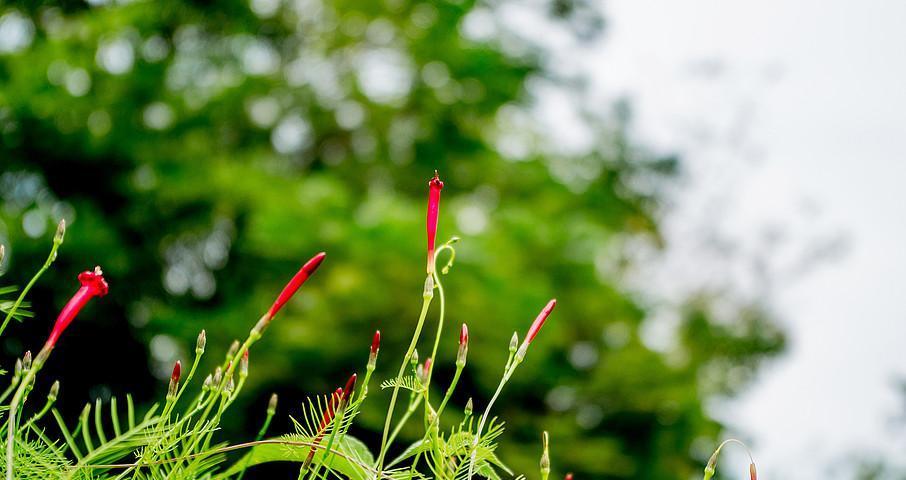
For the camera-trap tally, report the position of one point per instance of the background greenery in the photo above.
(202, 150)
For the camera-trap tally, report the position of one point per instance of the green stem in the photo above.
(14, 407)
(426, 302)
(484, 417)
(50, 259)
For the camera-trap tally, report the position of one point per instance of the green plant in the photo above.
(178, 438)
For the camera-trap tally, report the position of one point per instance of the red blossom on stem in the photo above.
(539, 320)
(463, 346)
(569, 476)
(293, 286)
(376, 342)
(536, 327)
(375, 346)
(434, 188)
(93, 285)
(177, 371)
(174, 379)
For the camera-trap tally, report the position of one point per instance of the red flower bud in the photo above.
(752, 473)
(177, 371)
(376, 342)
(93, 285)
(463, 346)
(350, 386)
(290, 289)
(569, 476)
(427, 365)
(174, 379)
(539, 320)
(536, 326)
(434, 188)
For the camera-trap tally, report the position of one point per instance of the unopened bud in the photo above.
(463, 346)
(201, 343)
(753, 474)
(54, 391)
(414, 359)
(230, 386)
(272, 405)
(244, 365)
(712, 463)
(234, 347)
(545, 457)
(469, 408)
(432, 416)
(26, 360)
(514, 342)
(174, 380)
(426, 371)
(2, 253)
(428, 293)
(208, 382)
(61, 232)
(17, 370)
(375, 348)
(350, 386)
(218, 376)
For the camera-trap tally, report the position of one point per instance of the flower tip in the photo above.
(177, 371)
(61, 232)
(293, 286)
(201, 343)
(539, 320)
(54, 391)
(272, 404)
(435, 181)
(94, 281)
(376, 342)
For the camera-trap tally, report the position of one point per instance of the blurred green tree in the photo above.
(201, 150)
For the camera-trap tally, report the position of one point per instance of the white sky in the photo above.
(791, 116)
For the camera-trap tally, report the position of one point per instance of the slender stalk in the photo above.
(14, 407)
(484, 417)
(58, 240)
(426, 302)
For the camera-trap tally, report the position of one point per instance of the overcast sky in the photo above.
(791, 117)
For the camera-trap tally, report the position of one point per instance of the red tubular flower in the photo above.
(539, 320)
(93, 285)
(535, 328)
(293, 286)
(434, 188)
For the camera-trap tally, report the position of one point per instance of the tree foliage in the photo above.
(200, 149)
